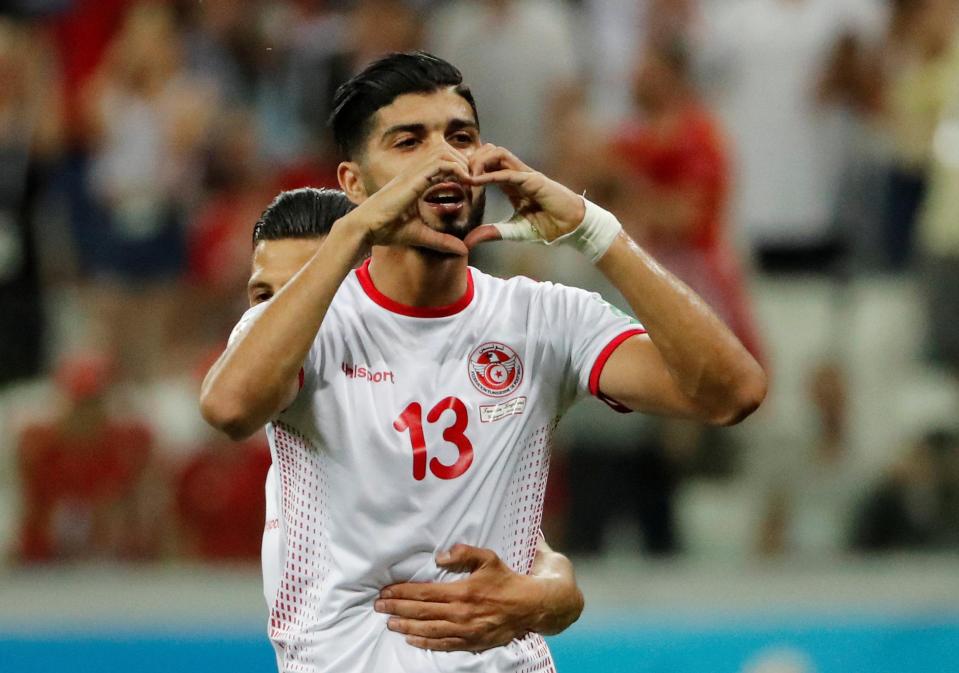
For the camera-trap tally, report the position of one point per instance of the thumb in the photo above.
(464, 558)
(423, 236)
(516, 228)
(482, 234)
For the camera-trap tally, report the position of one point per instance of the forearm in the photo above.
(704, 358)
(250, 382)
(561, 601)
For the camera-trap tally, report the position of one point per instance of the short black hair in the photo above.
(307, 212)
(379, 84)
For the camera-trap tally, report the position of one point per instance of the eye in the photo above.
(462, 138)
(261, 297)
(406, 143)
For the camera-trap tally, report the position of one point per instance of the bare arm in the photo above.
(691, 364)
(256, 377)
(562, 603)
(491, 607)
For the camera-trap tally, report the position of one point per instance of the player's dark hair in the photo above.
(379, 84)
(307, 212)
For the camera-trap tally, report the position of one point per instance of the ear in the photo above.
(348, 175)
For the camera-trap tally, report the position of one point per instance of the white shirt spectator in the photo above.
(517, 56)
(769, 55)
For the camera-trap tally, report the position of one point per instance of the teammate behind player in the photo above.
(381, 476)
(493, 605)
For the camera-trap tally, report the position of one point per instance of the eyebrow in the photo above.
(404, 128)
(460, 124)
(419, 129)
(256, 285)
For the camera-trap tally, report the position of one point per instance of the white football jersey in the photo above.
(416, 429)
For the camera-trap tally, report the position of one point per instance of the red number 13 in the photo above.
(412, 419)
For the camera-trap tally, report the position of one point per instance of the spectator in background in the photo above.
(672, 178)
(939, 238)
(809, 492)
(30, 140)
(916, 505)
(82, 473)
(238, 185)
(219, 500)
(221, 41)
(921, 79)
(149, 121)
(766, 59)
(82, 32)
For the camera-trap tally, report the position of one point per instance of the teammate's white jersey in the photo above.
(416, 429)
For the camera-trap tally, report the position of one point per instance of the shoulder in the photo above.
(522, 286)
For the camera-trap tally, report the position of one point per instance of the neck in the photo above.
(416, 277)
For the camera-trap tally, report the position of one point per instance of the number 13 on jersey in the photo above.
(411, 420)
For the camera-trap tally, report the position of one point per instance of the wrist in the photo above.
(596, 232)
(354, 231)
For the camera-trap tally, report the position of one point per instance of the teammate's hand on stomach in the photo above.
(390, 215)
(550, 209)
(491, 607)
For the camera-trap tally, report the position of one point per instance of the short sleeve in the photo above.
(247, 320)
(586, 331)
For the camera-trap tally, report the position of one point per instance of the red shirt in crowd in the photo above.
(78, 489)
(220, 500)
(689, 155)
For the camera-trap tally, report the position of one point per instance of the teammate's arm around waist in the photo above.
(257, 376)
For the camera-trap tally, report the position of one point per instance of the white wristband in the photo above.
(592, 237)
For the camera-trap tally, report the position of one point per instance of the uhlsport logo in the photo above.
(495, 369)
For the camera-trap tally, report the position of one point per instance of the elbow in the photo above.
(227, 416)
(576, 609)
(744, 397)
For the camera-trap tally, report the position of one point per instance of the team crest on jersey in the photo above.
(495, 369)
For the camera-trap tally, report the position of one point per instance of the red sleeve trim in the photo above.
(301, 377)
(597, 369)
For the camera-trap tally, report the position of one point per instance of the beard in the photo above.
(474, 218)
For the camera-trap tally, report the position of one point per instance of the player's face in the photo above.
(275, 263)
(404, 132)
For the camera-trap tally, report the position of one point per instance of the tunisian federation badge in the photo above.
(495, 369)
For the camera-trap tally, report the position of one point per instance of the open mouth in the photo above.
(446, 198)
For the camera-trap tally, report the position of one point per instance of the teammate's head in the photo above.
(288, 233)
(307, 212)
(391, 115)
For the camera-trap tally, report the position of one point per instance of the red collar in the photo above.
(366, 282)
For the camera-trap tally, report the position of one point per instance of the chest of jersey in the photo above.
(428, 401)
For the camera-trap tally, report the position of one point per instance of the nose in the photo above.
(441, 139)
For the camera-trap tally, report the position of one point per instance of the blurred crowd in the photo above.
(736, 140)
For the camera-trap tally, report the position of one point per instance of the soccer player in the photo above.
(412, 399)
(494, 604)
